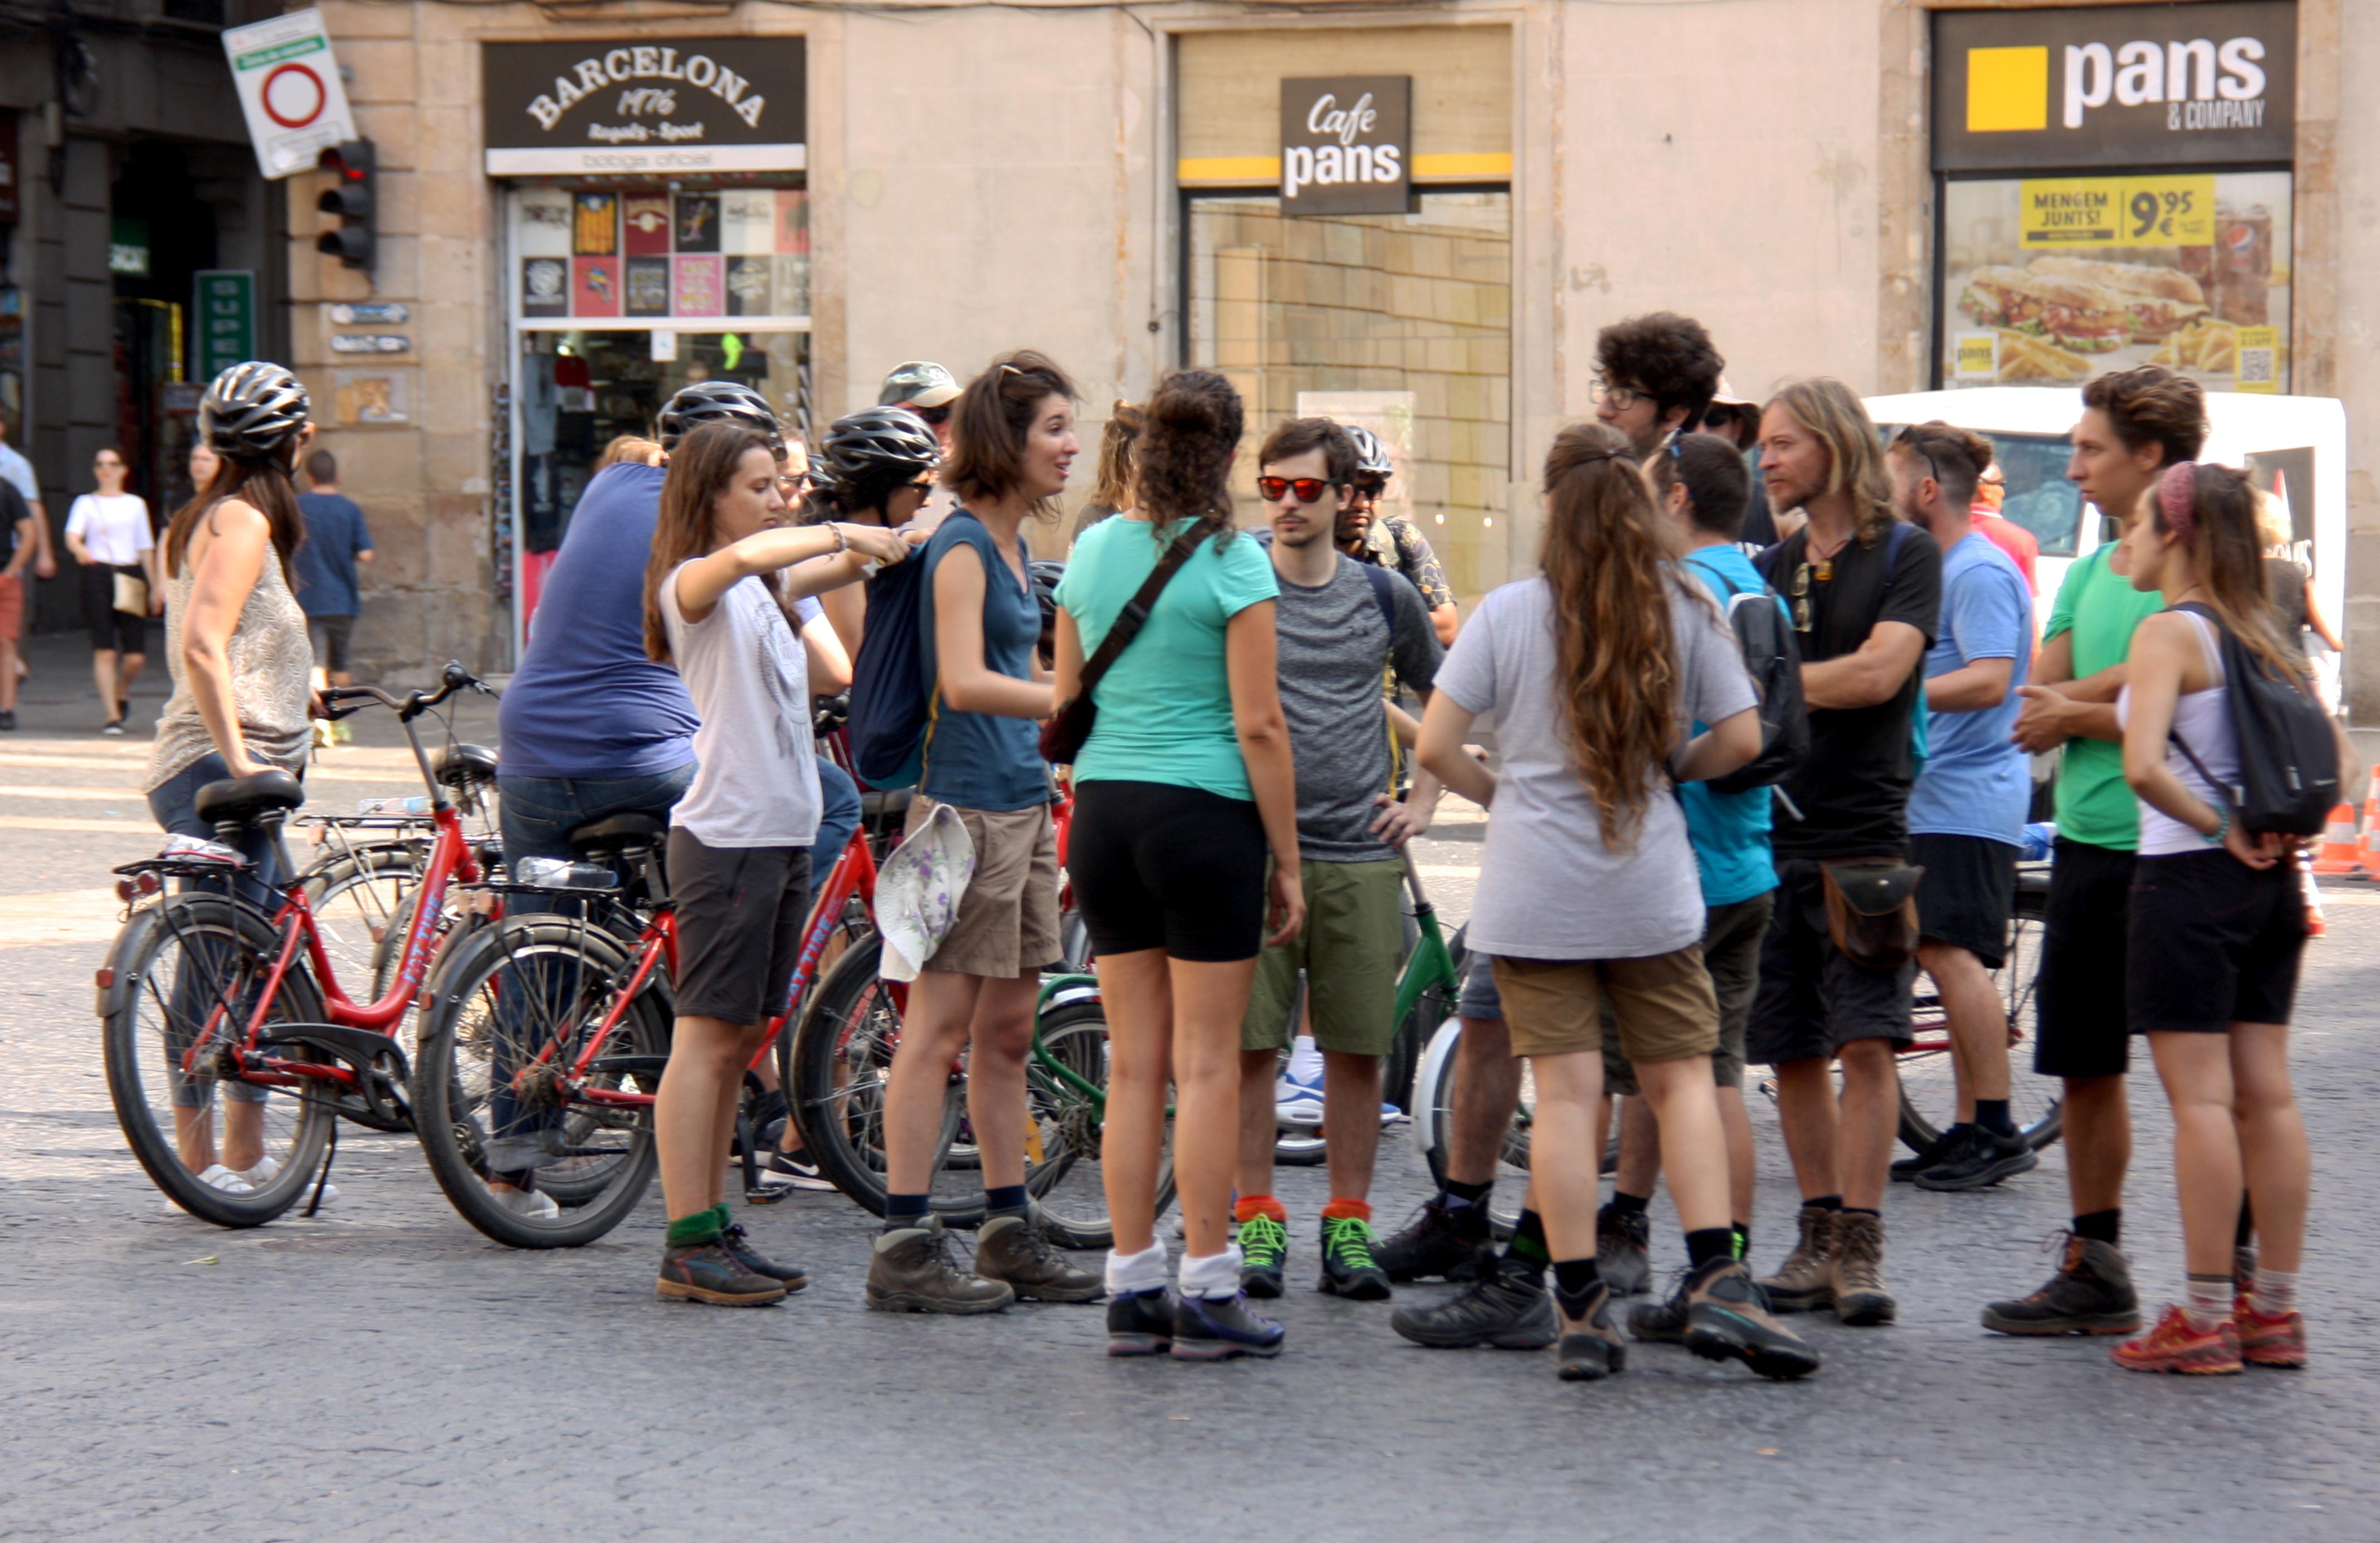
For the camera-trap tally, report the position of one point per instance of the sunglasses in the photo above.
(1309, 490)
(935, 417)
(1800, 592)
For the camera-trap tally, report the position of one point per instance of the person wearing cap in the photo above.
(1390, 541)
(926, 389)
(1737, 420)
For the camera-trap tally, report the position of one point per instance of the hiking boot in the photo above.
(708, 1273)
(2173, 1345)
(2269, 1341)
(1978, 1160)
(1662, 1322)
(1805, 1281)
(738, 1244)
(1264, 1252)
(1623, 1250)
(1140, 1323)
(1505, 1306)
(1349, 1267)
(1933, 1152)
(1858, 1265)
(1728, 1319)
(912, 1271)
(1207, 1329)
(1014, 1250)
(1438, 1241)
(1590, 1348)
(2091, 1294)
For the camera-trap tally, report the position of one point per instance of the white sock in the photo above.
(1213, 1276)
(1305, 1058)
(1128, 1273)
(2209, 1301)
(2277, 1292)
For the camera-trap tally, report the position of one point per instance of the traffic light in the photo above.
(351, 198)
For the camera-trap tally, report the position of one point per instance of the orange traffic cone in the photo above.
(2310, 893)
(2340, 853)
(2372, 827)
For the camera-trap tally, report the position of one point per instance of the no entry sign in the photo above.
(289, 88)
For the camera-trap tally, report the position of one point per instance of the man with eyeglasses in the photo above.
(1339, 624)
(1655, 376)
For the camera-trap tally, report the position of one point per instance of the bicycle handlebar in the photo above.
(339, 701)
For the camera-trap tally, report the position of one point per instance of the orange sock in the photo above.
(1360, 1210)
(1258, 1205)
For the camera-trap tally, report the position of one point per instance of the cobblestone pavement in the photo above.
(382, 1371)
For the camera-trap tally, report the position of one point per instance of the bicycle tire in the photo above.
(140, 1011)
(1433, 1120)
(571, 966)
(2039, 1104)
(1068, 1184)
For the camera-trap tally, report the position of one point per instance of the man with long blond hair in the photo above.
(1866, 592)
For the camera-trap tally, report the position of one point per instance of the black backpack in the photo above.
(1774, 661)
(2288, 753)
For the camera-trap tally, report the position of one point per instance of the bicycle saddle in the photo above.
(241, 800)
(462, 765)
(619, 833)
(881, 805)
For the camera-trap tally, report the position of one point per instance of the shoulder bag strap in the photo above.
(1134, 614)
(2222, 789)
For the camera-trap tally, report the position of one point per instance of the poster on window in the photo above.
(615, 255)
(2051, 280)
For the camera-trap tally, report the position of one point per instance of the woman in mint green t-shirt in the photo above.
(1182, 790)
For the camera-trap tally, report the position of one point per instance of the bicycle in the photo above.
(207, 988)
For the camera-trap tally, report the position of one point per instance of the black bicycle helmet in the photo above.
(1045, 573)
(1371, 456)
(717, 402)
(253, 411)
(876, 445)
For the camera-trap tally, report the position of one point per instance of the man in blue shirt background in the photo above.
(1967, 811)
(337, 542)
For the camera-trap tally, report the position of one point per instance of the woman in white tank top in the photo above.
(2217, 927)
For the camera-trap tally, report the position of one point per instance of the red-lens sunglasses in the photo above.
(1309, 490)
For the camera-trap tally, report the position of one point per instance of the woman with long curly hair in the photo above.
(1588, 895)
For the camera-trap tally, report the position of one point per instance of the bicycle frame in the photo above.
(1431, 963)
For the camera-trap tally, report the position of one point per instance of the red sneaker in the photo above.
(2173, 1345)
(2271, 1341)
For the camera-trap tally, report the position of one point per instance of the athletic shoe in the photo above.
(1297, 1100)
(1349, 1268)
(1977, 1160)
(262, 1174)
(1805, 1281)
(793, 1170)
(1441, 1240)
(1907, 1168)
(1264, 1253)
(1623, 1250)
(2269, 1341)
(1140, 1323)
(1506, 1307)
(1014, 1250)
(1728, 1319)
(2091, 1294)
(738, 1244)
(2173, 1345)
(708, 1273)
(112, 728)
(1205, 1330)
(530, 1205)
(1390, 1114)
(1860, 1298)
(911, 1271)
(216, 1176)
(8, 719)
(1589, 1349)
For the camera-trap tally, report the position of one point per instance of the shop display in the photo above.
(597, 255)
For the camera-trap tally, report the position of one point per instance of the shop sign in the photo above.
(2211, 84)
(289, 88)
(1346, 145)
(367, 314)
(687, 106)
(127, 248)
(223, 301)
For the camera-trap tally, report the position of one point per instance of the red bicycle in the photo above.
(226, 988)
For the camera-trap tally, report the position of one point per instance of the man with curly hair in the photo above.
(1655, 376)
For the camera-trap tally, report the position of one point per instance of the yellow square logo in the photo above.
(2007, 88)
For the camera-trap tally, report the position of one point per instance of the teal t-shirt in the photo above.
(1165, 709)
(1729, 831)
(2101, 608)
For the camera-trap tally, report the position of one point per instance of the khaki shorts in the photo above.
(1663, 1004)
(12, 609)
(1007, 924)
(1351, 950)
(1731, 941)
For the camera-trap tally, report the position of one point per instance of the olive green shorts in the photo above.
(1351, 951)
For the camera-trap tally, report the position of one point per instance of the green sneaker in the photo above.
(1348, 1267)
(1264, 1249)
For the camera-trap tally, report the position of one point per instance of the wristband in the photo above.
(841, 543)
(2222, 828)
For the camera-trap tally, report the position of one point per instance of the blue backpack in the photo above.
(891, 683)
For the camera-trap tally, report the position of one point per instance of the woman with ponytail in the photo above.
(1182, 788)
(2218, 925)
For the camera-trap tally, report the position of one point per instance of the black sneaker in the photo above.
(1907, 1168)
(1440, 1240)
(8, 719)
(708, 1273)
(1506, 1307)
(1349, 1268)
(1264, 1253)
(1140, 1323)
(1728, 1319)
(769, 1117)
(2091, 1294)
(1979, 1160)
(738, 1244)
(1217, 1330)
(1590, 1349)
(1663, 1322)
(783, 1175)
(1623, 1250)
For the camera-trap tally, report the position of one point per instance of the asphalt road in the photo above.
(381, 1371)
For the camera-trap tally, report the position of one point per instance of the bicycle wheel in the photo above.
(1434, 1119)
(1065, 1171)
(514, 992)
(186, 974)
(1928, 1082)
(360, 900)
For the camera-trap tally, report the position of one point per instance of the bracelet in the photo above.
(841, 543)
(2222, 828)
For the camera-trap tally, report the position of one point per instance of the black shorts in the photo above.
(119, 631)
(330, 636)
(1179, 868)
(740, 911)
(2079, 994)
(2214, 942)
(1968, 894)
(1812, 1000)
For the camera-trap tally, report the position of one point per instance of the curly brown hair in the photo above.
(1665, 356)
(2150, 402)
(1185, 465)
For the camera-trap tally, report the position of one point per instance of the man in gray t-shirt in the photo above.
(1339, 625)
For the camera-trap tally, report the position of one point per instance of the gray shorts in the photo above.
(740, 911)
(1479, 998)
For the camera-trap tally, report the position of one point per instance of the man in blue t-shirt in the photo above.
(337, 543)
(1966, 813)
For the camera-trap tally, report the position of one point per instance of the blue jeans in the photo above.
(838, 818)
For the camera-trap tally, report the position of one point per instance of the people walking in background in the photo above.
(19, 547)
(18, 472)
(1391, 540)
(1112, 491)
(108, 533)
(337, 544)
(1183, 786)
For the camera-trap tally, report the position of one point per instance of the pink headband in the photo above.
(2178, 495)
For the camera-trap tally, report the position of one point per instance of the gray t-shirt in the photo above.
(1334, 644)
(756, 781)
(1549, 888)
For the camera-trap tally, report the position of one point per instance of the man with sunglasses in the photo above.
(1390, 541)
(1339, 624)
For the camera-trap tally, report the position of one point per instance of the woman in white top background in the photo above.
(109, 534)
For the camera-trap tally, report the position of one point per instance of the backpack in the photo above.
(2288, 754)
(1764, 638)
(891, 684)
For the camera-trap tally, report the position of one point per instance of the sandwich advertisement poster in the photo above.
(2050, 280)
